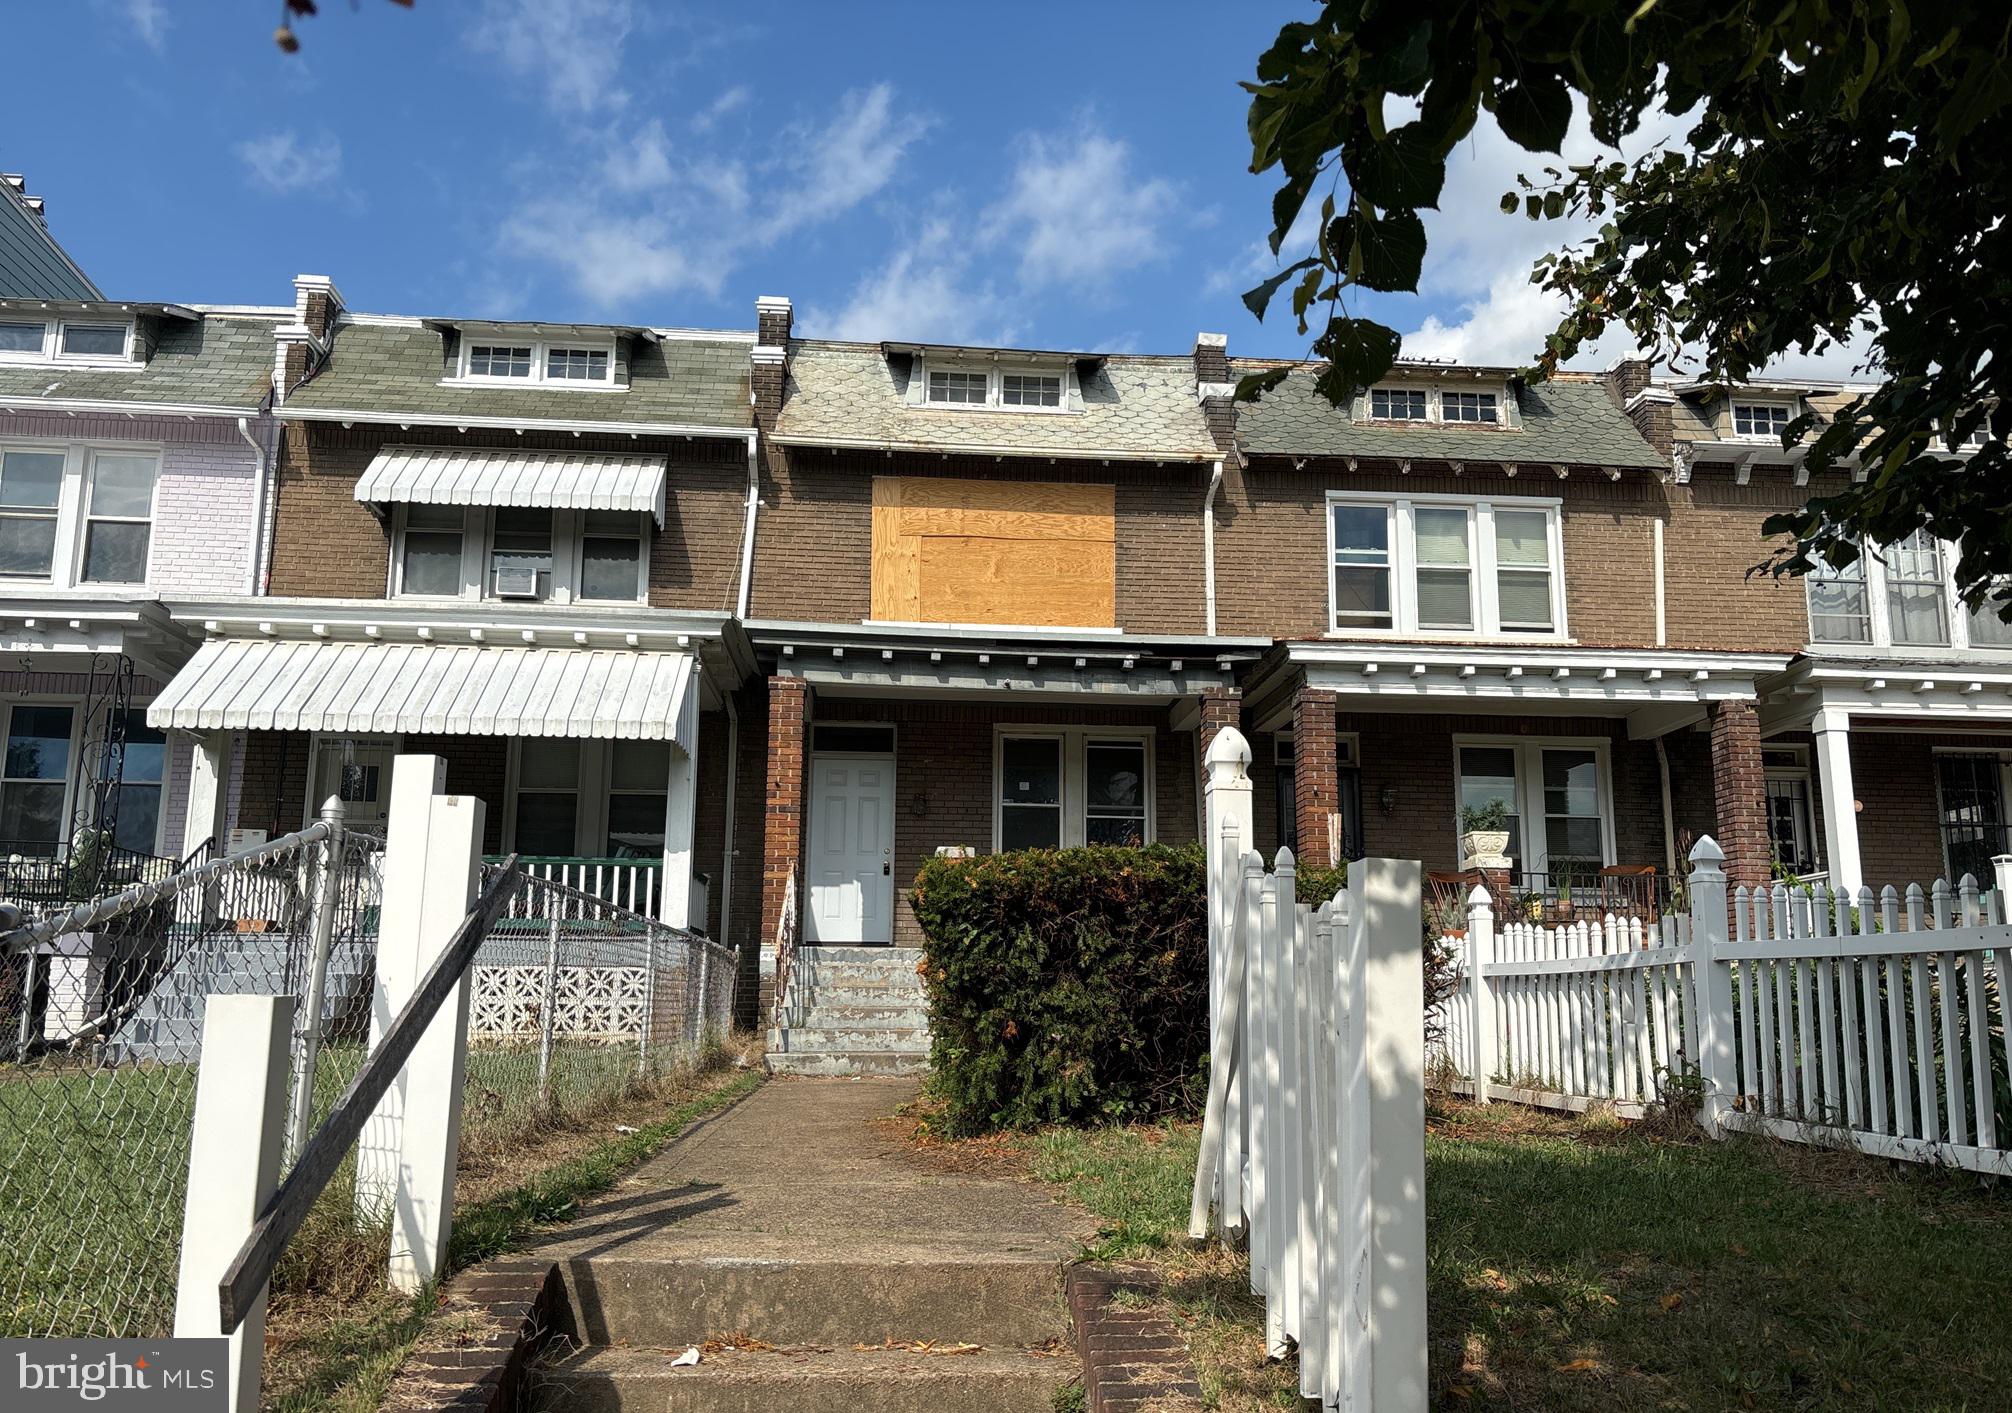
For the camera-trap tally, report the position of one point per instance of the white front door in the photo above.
(851, 871)
(359, 770)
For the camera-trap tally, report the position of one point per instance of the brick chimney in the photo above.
(1627, 377)
(300, 346)
(770, 359)
(1215, 389)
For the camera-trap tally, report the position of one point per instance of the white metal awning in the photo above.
(553, 480)
(456, 690)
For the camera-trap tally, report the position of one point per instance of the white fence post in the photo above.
(1226, 833)
(1481, 1008)
(234, 1155)
(425, 919)
(1713, 984)
(1393, 1045)
(415, 780)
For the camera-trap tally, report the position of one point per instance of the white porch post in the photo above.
(681, 803)
(1832, 728)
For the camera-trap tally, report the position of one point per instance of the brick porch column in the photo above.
(1316, 792)
(1739, 792)
(782, 819)
(1221, 706)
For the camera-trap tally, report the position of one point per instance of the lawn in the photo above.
(1580, 1265)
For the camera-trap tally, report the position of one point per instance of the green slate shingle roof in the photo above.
(1568, 421)
(216, 361)
(853, 393)
(389, 369)
(32, 264)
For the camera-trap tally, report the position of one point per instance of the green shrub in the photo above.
(1066, 986)
(1314, 884)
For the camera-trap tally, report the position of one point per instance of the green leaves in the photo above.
(1358, 352)
(1407, 167)
(1386, 253)
(1534, 112)
(1258, 300)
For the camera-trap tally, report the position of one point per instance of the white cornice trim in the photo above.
(463, 421)
(1056, 453)
(188, 411)
(396, 620)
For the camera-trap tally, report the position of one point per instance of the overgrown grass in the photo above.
(347, 1335)
(1579, 1269)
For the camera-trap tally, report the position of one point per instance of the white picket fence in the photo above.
(1313, 1141)
(1875, 1022)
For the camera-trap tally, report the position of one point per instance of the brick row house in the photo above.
(742, 626)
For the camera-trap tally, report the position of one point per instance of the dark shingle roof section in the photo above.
(854, 394)
(32, 264)
(215, 361)
(387, 369)
(1567, 421)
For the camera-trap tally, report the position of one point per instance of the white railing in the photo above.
(1313, 1140)
(1871, 1022)
(634, 884)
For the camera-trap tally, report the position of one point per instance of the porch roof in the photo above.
(1657, 690)
(545, 480)
(265, 685)
(1953, 692)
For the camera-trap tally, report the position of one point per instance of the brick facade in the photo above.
(1739, 792)
(783, 807)
(328, 545)
(1315, 791)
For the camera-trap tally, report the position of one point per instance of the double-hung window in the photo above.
(639, 776)
(431, 558)
(1760, 420)
(1840, 607)
(118, 518)
(1916, 593)
(35, 777)
(520, 554)
(1446, 566)
(137, 775)
(1467, 407)
(1556, 794)
(1069, 786)
(31, 492)
(1397, 404)
(611, 555)
(1900, 596)
(1982, 623)
(548, 798)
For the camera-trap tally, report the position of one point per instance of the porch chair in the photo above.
(1629, 890)
(1447, 892)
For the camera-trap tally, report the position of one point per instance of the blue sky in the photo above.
(1047, 175)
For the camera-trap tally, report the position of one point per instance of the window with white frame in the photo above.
(1068, 786)
(1397, 404)
(1901, 596)
(1970, 798)
(77, 513)
(520, 553)
(118, 517)
(1467, 407)
(639, 774)
(137, 774)
(71, 339)
(31, 493)
(1790, 820)
(561, 362)
(1019, 390)
(1557, 796)
(1760, 420)
(1443, 565)
(34, 779)
(572, 798)
(547, 817)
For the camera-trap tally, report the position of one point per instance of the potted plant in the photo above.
(1484, 831)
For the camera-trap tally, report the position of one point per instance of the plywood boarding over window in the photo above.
(956, 551)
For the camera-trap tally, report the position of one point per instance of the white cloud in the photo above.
(149, 21)
(1076, 214)
(838, 164)
(611, 258)
(641, 163)
(574, 47)
(283, 163)
(732, 101)
(924, 292)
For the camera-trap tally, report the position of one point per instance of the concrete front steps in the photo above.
(853, 1011)
(809, 1380)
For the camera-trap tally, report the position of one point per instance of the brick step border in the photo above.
(1132, 1360)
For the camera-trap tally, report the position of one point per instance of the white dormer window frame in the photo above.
(1004, 386)
(55, 334)
(1435, 404)
(1779, 412)
(1413, 397)
(592, 353)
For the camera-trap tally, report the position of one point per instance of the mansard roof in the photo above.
(1131, 407)
(1569, 420)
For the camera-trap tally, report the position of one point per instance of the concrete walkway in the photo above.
(798, 1219)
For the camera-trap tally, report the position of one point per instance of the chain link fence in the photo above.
(575, 1004)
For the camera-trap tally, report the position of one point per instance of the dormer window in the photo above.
(993, 388)
(1397, 404)
(1031, 390)
(66, 340)
(1467, 407)
(1760, 420)
(490, 360)
(571, 363)
(951, 387)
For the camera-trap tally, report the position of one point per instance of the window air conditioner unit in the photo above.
(517, 583)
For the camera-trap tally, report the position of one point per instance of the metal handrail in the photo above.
(277, 1223)
(785, 951)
